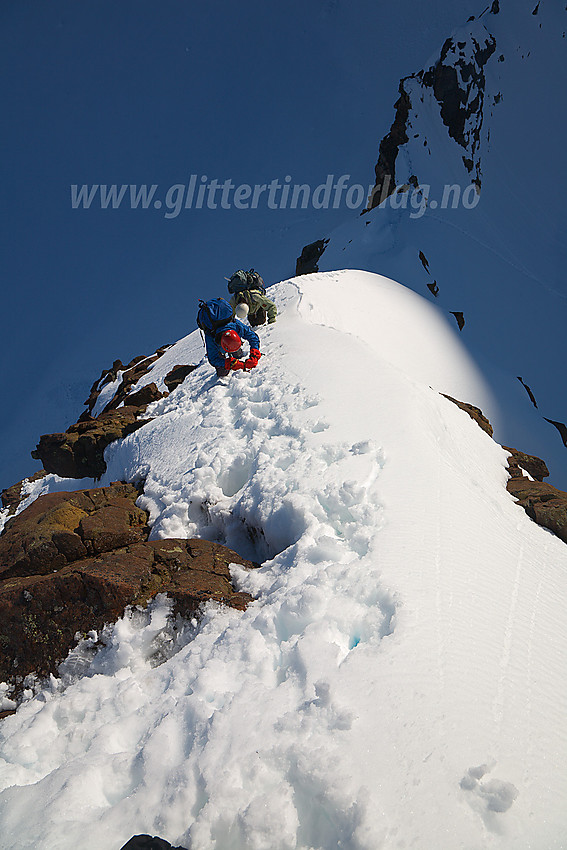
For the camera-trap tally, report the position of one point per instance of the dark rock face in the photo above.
(72, 562)
(561, 427)
(528, 390)
(307, 262)
(146, 842)
(424, 262)
(79, 451)
(385, 169)
(457, 82)
(459, 317)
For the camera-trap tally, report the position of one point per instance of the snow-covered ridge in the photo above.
(492, 259)
(399, 678)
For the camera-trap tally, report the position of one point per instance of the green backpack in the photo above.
(242, 280)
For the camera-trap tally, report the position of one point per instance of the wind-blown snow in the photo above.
(400, 679)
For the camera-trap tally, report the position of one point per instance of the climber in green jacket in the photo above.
(251, 304)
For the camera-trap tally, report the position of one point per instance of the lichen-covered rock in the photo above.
(73, 561)
(60, 528)
(41, 614)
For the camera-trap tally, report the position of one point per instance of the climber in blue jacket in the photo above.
(223, 338)
(225, 351)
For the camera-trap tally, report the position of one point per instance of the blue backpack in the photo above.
(213, 315)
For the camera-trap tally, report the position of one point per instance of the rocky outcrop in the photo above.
(519, 462)
(542, 502)
(307, 262)
(456, 83)
(72, 562)
(130, 375)
(78, 452)
(474, 412)
(176, 376)
(59, 528)
(12, 496)
(107, 376)
(144, 396)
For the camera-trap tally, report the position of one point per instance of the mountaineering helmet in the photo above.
(241, 311)
(230, 341)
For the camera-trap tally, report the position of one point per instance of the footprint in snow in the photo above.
(485, 795)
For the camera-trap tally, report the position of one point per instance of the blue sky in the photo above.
(150, 93)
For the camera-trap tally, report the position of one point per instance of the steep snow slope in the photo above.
(400, 679)
(483, 112)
